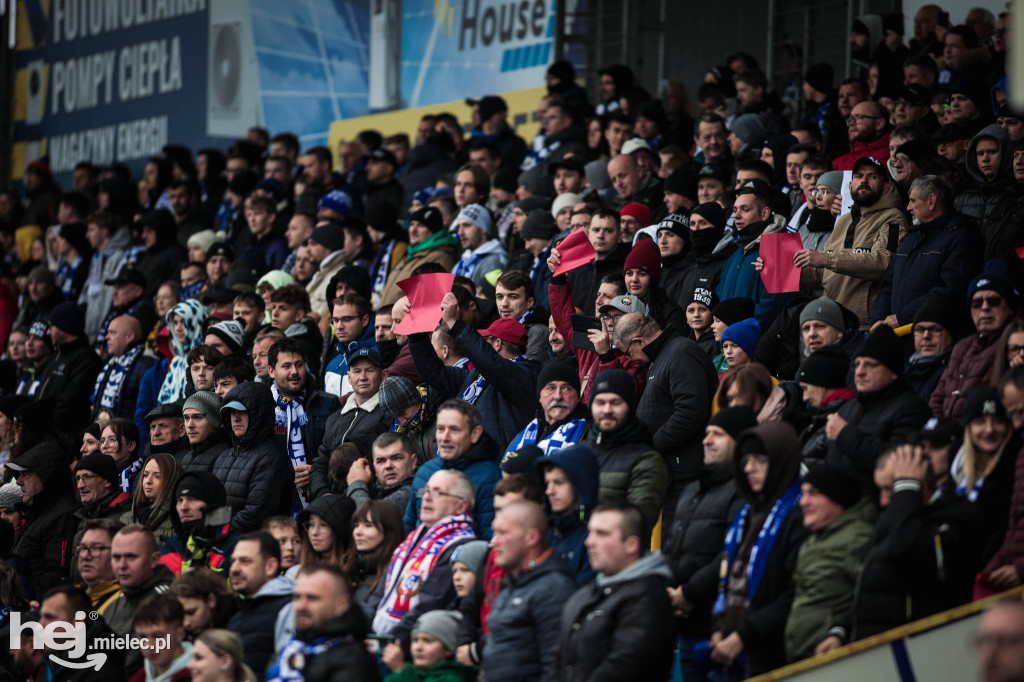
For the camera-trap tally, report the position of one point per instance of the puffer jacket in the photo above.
(620, 627)
(968, 366)
(693, 545)
(507, 402)
(479, 463)
(567, 531)
(201, 456)
(825, 577)
(936, 260)
(676, 404)
(631, 470)
(523, 640)
(996, 203)
(739, 279)
(441, 248)
(359, 425)
(859, 251)
(256, 473)
(875, 422)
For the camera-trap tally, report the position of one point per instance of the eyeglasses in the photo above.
(922, 330)
(1014, 350)
(437, 492)
(92, 550)
(344, 320)
(815, 193)
(992, 301)
(859, 118)
(85, 478)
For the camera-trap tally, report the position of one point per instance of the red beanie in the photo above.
(645, 256)
(638, 211)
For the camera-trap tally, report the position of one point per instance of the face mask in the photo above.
(703, 241)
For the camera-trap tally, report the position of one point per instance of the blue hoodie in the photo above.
(568, 531)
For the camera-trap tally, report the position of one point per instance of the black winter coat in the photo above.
(357, 426)
(202, 456)
(694, 544)
(923, 374)
(876, 421)
(676, 404)
(70, 379)
(706, 271)
(620, 627)
(900, 580)
(254, 622)
(349, 661)
(674, 272)
(585, 280)
(935, 260)
(256, 473)
(129, 391)
(318, 406)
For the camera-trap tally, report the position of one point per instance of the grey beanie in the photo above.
(824, 309)
(397, 394)
(474, 555)
(442, 626)
(749, 128)
(10, 495)
(597, 174)
(831, 179)
(208, 404)
(231, 332)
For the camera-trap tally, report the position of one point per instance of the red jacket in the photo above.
(560, 299)
(879, 149)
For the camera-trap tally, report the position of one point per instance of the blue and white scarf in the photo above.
(467, 264)
(106, 394)
(191, 291)
(473, 391)
(292, 417)
(66, 276)
(763, 546)
(128, 473)
(290, 666)
(538, 263)
(565, 435)
(380, 270)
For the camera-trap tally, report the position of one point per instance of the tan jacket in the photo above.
(859, 251)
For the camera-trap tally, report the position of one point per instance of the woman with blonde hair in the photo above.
(217, 657)
(154, 495)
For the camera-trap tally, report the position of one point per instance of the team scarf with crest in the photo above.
(473, 391)
(411, 564)
(110, 382)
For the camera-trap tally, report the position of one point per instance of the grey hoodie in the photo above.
(996, 133)
(177, 666)
(97, 296)
(654, 563)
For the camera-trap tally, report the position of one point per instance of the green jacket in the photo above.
(825, 576)
(445, 671)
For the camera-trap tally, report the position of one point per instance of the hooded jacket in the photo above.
(826, 575)
(70, 378)
(192, 313)
(739, 279)
(254, 620)
(97, 296)
(161, 262)
(763, 622)
(619, 627)
(256, 473)
(995, 204)
(479, 462)
(676, 404)
(359, 425)
(523, 640)
(693, 545)
(567, 530)
(859, 252)
(936, 260)
(42, 548)
(441, 248)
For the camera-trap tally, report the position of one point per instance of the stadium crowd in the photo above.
(212, 434)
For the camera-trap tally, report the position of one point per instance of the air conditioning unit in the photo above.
(231, 99)
(35, 97)
(385, 54)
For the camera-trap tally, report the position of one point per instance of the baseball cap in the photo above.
(635, 144)
(570, 163)
(506, 329)
(870, 161)
(128, 276)
(370, 354)
(627, 304)
(382, 154)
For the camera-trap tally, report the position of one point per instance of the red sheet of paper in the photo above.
(575, 251)
(779, 275)
(1020, 252)
(425, 293)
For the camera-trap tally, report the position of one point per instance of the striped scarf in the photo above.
(411, 565)
(473, 391)
(106, 394)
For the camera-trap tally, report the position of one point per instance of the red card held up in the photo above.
(1020, 252)
(425, 293)
(575, 251)
(779, 274)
